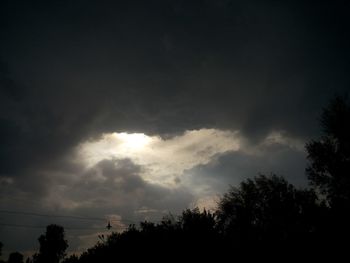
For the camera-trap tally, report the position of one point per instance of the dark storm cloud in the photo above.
(71, 70)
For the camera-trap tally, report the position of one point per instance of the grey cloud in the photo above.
(232, 168)
(119, 185)
(111, 187)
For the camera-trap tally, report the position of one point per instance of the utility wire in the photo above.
(52, 215)
(66, 228)
(64, 216)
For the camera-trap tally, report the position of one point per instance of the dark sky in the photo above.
(191, 75)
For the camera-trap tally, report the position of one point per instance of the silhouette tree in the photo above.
(196, 221)
(329, 173)
(52, 245)
(1, 245)
(15, 257)
(329, 168)
(266, 212)
(198, 233)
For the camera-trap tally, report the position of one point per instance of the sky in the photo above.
(124, 111)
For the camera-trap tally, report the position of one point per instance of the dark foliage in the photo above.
(15, 257)
(71, 259)
(1, 245)
(172, 237)
(267, 209)
(52, 245)
(329, 171)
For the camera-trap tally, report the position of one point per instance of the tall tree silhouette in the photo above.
(52, 245)
(329, 173)
(329, 168)
(266, 210)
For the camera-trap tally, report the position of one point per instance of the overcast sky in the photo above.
(129, 110)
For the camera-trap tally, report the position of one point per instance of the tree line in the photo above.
(263, 217)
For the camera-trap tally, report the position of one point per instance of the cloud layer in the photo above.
(163, 160)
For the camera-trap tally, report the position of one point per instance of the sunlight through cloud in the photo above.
(163, 160)
(132, 141)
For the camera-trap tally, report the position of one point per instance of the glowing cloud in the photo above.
(164, 160)
(132, 141)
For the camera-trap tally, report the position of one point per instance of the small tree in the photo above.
(52, 245)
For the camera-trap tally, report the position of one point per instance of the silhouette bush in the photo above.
(15, 257)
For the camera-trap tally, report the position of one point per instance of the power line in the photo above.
(22, 226)
(75, 217)
(64, 216)
(66, 228)
(52, 215)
